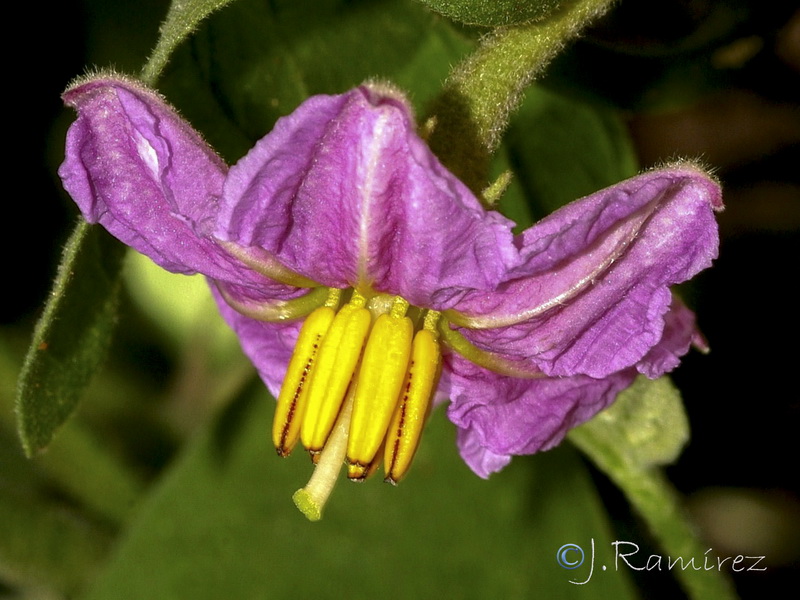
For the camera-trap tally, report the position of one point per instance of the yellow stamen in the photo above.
(349, 382)
(336, 362)
(413, 408)
(378, 386)
(291, 404)
(312, 498)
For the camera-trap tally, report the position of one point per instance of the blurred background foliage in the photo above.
(163, 484)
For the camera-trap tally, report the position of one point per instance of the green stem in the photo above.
(654, 498)
(483, 91)
(652, 495)
(182, 19)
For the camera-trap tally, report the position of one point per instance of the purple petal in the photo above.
(504, 416)
(680, 333)
(134, 166)
(594, 286)
(482, 461)
(343, 191)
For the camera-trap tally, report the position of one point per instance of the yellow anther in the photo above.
(378, 386)
(291, 403)
(414, 404)
(358, 472)
(292, 399)
(334, 367)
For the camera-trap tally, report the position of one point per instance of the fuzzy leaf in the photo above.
(73, 334)
(71, 337)
(493, 13)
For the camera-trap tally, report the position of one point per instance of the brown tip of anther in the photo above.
(389, 479)
(314, 455)
(283, 452)
(357, 472)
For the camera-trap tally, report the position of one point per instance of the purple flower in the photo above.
(343, 215)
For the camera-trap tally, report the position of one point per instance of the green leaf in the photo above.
(71, 337)
(561, 149)
(494, 13)
(221, 524)
(183, 17)
(77, 463)
(43, 543)
(256, 61)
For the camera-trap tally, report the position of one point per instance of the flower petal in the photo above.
(344, 192)
(134, 166)
(680, 333)
(595, 278)
(504, 416)
(481, 460)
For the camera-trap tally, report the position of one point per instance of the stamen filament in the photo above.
(276, 310)
(456, 341)
(311, 499)
(263, 262)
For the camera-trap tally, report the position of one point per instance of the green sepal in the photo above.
(646, 427)
(482, 92)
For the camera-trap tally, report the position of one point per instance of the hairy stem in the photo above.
(481, 93)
